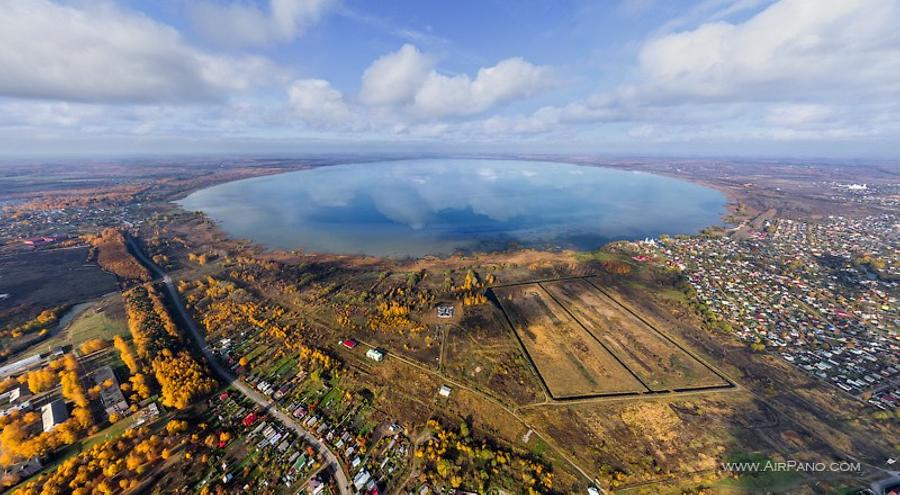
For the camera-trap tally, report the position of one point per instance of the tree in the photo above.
(93, 345)
(175, 426)
(126, 354)
(41, 380)
(113, 256)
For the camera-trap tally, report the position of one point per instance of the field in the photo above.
(660, 364)
(101, 319)
(572, 363)
(45, 279)
(483, 351)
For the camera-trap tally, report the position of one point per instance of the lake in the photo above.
(439, 206)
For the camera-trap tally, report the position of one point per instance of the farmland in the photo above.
(659, 363)
(570, 360)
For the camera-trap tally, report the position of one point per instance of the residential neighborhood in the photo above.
(823, 296)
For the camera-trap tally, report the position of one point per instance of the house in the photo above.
(316, 486)
(361, 479)
(445, 311)
(444, 391)
(147, 414)
(110, 394)
(22, 470)
(53, 414)
(375, 355)
(349, 343)
(39, 241)
(19, 392)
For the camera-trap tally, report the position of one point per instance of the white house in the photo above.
(375, 355)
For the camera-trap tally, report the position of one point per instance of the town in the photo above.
(823, 296)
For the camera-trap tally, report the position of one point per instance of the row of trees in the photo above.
(40, 324)
(158, 342)
(113, 256)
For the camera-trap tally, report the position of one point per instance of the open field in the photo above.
(482, 350)
(659, 363)
(102, 319)
(45, 279)
(570, 360)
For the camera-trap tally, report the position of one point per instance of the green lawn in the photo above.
(103, 319)
(110, 432)
(598, 255)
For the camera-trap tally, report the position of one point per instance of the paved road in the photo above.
(225, 375)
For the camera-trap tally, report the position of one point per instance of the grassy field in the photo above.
(660, 364)
(482, 350)
(570, 360)
(103, 319)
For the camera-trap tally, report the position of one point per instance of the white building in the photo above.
(53, 414)
(375, 355)
(445, 311)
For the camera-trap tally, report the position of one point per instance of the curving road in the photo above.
(343, 484)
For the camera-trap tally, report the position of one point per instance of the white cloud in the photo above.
(511, 79)
(317, 103)
(407, 78)
(238, 23)
(798, 69)
(103, 53)
(396, 77)
(790, 48)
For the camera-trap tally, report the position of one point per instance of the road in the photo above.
(343, 483)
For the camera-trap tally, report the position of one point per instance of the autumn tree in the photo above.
(113, 256)
(127, 354)
(93, 345)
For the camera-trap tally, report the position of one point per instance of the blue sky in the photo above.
(709, 77)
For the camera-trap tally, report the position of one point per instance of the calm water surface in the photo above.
(438, 206)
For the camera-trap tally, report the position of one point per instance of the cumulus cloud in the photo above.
(396, 77)
(317, 103)
(510, 79)
(791, 47)
(103, 53)
(798, 69)
(408, 78)
(239, 24)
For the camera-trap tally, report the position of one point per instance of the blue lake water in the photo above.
(438, 206)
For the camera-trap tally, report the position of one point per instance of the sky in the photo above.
(793, 78)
